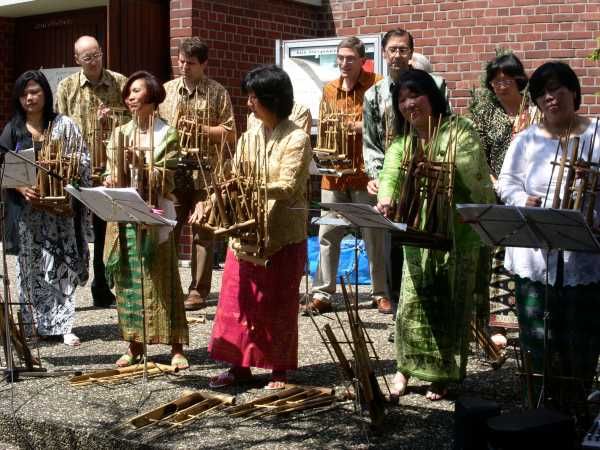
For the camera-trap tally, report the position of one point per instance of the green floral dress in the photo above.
(436, 297)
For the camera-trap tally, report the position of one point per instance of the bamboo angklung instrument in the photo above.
(134, 166)
(238, 199)
(336, 140)
(100, 133)
(61, 157)
(576, 167)
(425, 195)
(192, 124)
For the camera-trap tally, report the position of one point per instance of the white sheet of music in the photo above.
(17, 172)
(118, 205)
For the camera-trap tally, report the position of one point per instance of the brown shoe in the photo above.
(194, 302)
(317, 306)
(384, 306)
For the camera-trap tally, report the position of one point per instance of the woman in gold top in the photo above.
(256, 323)
(144, 269)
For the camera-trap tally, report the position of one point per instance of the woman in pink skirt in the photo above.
(256, 323)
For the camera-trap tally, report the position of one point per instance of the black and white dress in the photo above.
(52, 252)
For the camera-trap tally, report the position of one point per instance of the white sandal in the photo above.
(71, 340)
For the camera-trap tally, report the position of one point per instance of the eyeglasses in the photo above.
(502, 83)
(401, 50)
(89, 58)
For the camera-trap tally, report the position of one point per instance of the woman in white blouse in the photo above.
(573, 277)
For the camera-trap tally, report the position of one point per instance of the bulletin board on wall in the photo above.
(311, 63)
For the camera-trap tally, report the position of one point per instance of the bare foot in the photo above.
(399, 384)
(436, 391)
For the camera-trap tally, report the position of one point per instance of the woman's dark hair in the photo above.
(272, 87)
(20, 115)
(558, 72)
(510, 66)
(155, 91)
(418, 82)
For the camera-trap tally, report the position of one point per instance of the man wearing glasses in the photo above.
(346, 94)
(92, 90)
(380, 130)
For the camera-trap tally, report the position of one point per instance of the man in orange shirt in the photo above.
(346, 94)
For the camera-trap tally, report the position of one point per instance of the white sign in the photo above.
(311, 63)
(54, 76)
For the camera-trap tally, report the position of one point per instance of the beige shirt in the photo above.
(288, 154)
(300, 115)
(76, 96)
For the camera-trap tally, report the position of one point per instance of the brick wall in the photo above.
(460, 36)
(240, 34)
(7, 43)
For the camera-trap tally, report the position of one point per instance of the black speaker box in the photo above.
(538, 428)
(470, 415)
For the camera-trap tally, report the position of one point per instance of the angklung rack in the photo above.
(425, 200)
(238, 199)
(59, 169)
(576, 186)
(99, 134)
(133, 163)
(336, 139)
(192, 123)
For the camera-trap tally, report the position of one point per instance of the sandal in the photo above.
(275, 385)
(437, 391)
(180, 362)
(228, 378)
(127, 360)
(278, 381)
(71, 340)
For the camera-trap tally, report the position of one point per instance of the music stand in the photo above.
(529, 227)
(123, 205)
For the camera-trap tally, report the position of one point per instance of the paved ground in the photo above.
(48, 413)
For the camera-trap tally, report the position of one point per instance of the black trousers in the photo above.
(100, 289)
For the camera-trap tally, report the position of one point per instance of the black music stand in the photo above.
(124, 205)
(527, 227)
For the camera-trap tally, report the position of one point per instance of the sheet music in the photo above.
(17, 172)
(118, 205)
(364, 216)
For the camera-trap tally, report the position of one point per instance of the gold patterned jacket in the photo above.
(288, 153)
(76, 96)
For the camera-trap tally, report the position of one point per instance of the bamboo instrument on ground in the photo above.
(291, 399)
(190, 406)
(121, 374)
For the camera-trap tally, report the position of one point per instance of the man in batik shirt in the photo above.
(193, 93)
(86, 97)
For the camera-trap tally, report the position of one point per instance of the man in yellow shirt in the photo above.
(92, 90)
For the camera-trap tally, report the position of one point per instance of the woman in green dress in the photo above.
(149, 288)
(437, 286)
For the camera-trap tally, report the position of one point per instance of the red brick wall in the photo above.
(7, 45)
(460, 36)
(240, 34)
